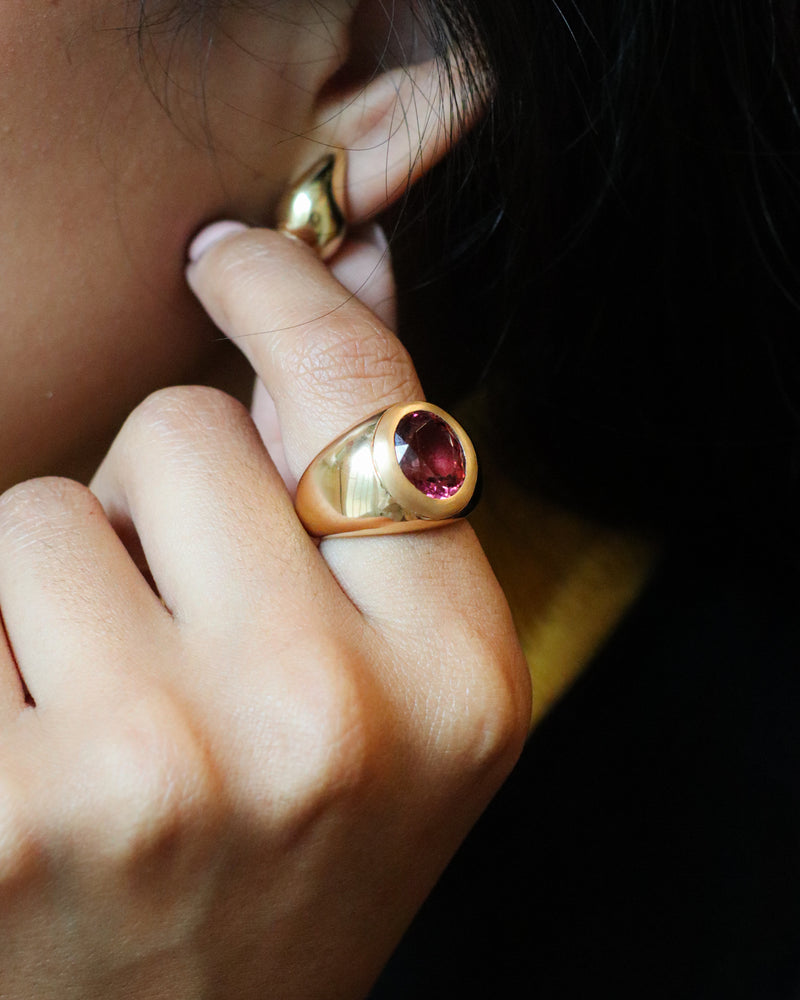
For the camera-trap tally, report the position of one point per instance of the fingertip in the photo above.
(211, 235)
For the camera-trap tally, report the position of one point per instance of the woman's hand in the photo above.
(244, 788)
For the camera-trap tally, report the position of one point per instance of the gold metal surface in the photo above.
(313, 209)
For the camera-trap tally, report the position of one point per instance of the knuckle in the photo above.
(497, 687)
(492, 713)
(504, 716)
(155, 788)
(333, 742)
(502, 711)
(183, 413)
(349, 361)
(41, 509)
(183, 430)
(22, 858)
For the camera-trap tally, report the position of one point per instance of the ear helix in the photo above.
(313, 208)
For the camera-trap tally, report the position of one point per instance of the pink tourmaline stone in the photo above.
(429, 454)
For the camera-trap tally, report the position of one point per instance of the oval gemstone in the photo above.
(429, 454)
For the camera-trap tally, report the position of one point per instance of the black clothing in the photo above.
(648, 843)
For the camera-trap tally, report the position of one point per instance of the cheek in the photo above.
(84, 312)
(100, 191)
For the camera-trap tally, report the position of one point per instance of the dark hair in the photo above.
(614, 262)
(632, 314)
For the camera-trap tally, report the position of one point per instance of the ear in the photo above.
(395, 115)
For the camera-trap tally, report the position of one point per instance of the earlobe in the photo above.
(394, 128)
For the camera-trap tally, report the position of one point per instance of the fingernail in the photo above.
(212, 235)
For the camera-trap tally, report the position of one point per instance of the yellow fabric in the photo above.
(568, 581)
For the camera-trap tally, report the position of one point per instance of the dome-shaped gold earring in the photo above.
(312, 210)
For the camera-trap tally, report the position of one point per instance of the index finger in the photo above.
(326, 360)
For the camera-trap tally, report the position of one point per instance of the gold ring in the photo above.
(409, 468)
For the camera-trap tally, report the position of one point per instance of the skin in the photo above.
(102, 190)
(253, 782)
(231, 760)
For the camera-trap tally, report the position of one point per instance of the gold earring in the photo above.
(312, 209)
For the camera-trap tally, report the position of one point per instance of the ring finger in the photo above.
(328, 363)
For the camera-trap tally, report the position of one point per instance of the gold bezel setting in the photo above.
(405, 493)
(357, 486)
